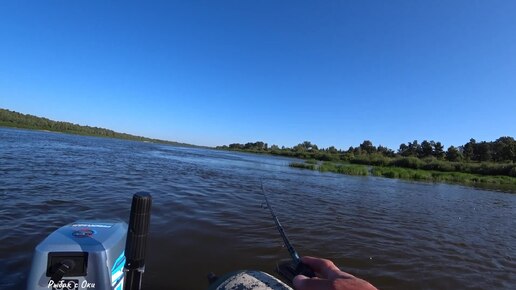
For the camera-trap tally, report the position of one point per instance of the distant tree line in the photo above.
(502, 149)
(14, 119)
(256, 146)
(488, 158)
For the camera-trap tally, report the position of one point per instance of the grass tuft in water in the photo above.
(343, 168)
(302, 165)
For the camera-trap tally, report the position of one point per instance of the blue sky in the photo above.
(219, 72)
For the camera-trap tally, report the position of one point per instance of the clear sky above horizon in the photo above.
(219, 72)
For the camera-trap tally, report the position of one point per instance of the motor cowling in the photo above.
(82, 255)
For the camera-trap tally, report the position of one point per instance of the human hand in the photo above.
(329, 277)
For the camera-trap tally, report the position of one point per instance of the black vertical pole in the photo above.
(137, 240)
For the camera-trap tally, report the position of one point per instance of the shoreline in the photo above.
(490, 182)
(71, 132)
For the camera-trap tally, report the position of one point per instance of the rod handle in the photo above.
(138, 230)
(304, 269)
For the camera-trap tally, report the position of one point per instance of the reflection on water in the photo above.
(208, 215)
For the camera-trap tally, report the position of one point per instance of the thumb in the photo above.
(298, 281)
(302, 282)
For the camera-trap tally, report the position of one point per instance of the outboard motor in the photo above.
(81, 255)
(100, 255)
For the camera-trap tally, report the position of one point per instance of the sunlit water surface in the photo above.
(207, 214)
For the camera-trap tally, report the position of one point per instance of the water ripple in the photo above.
(208, 214)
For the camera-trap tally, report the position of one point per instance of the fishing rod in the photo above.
(295, 267)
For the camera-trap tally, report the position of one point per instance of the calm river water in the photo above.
(207, 214)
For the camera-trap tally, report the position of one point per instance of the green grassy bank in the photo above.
(487, 181)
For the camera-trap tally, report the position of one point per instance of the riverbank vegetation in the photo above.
(23, 121)
(408, 173)
(472, 163)
(327, 166)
